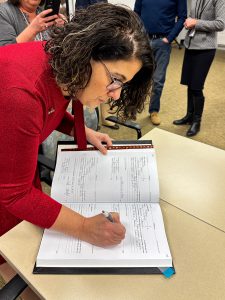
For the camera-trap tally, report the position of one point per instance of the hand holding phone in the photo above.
(54, 5)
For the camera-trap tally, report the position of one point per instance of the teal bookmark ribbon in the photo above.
(167, 272)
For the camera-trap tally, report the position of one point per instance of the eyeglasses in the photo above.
(115, 83)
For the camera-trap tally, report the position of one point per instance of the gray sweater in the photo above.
(12, 23)
(211, 19)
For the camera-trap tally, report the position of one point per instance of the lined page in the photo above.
(120, 176)
(145, 243)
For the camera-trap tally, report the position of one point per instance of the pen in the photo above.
(108, 215)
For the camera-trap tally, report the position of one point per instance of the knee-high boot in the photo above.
(188, 118)
(198, 110)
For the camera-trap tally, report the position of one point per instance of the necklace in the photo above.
(39, 36)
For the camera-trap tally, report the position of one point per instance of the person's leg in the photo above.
(202, 63)
(199, 100)
(91, 118)
(104, 111)
(8, 273)
(188, 118)
(161, 53)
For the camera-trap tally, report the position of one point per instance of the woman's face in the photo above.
(30, 3)
(107, 79)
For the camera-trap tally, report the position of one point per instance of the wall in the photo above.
(221, 39)
(126, 2)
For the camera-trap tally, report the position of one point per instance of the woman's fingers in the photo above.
(99, 231)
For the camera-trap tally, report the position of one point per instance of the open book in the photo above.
(124, 181)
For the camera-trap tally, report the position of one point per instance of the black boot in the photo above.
(188, 118)
(198, 109)
(194, 128)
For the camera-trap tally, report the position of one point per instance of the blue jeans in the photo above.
(161, 53)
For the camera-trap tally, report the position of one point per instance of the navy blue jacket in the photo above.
(164, 17)
(85, 3)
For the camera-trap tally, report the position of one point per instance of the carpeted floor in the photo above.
(173, 104)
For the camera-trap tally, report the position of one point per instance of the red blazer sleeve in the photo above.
(21, 123)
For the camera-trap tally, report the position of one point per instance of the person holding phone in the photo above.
(25, 21)
(102, 53)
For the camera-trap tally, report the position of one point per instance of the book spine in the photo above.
(111, 148)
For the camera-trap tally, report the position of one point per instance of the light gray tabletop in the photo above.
(191, 175)
(197, 249)
(191, 183)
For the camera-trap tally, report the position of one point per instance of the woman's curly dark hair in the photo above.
(104, 32)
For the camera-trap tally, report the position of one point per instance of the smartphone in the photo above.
(54, 5)
(192, 33)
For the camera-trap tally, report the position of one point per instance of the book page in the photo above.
(145, 243)
(120, 176)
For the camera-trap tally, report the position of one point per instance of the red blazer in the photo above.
(32, 106)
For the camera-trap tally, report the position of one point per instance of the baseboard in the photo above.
(221, 46)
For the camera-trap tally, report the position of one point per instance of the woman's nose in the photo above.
(115, 94)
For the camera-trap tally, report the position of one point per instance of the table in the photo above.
(197, 243)
(191, 175)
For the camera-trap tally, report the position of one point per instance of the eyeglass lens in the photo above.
(115, 84)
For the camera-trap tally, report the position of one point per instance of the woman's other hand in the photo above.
(165, 40)
(61, 20)
(96, 139)
(99, 231)
(190, 23)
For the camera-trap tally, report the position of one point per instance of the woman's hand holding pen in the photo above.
(99, 231)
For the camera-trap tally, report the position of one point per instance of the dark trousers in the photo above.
(196, 102)
(196, 65)
(161, 53)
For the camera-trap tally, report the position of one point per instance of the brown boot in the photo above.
(155, 119)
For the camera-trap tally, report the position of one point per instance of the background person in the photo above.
(90, 60)
(163, 21)
(24, 21)
(206, 19)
